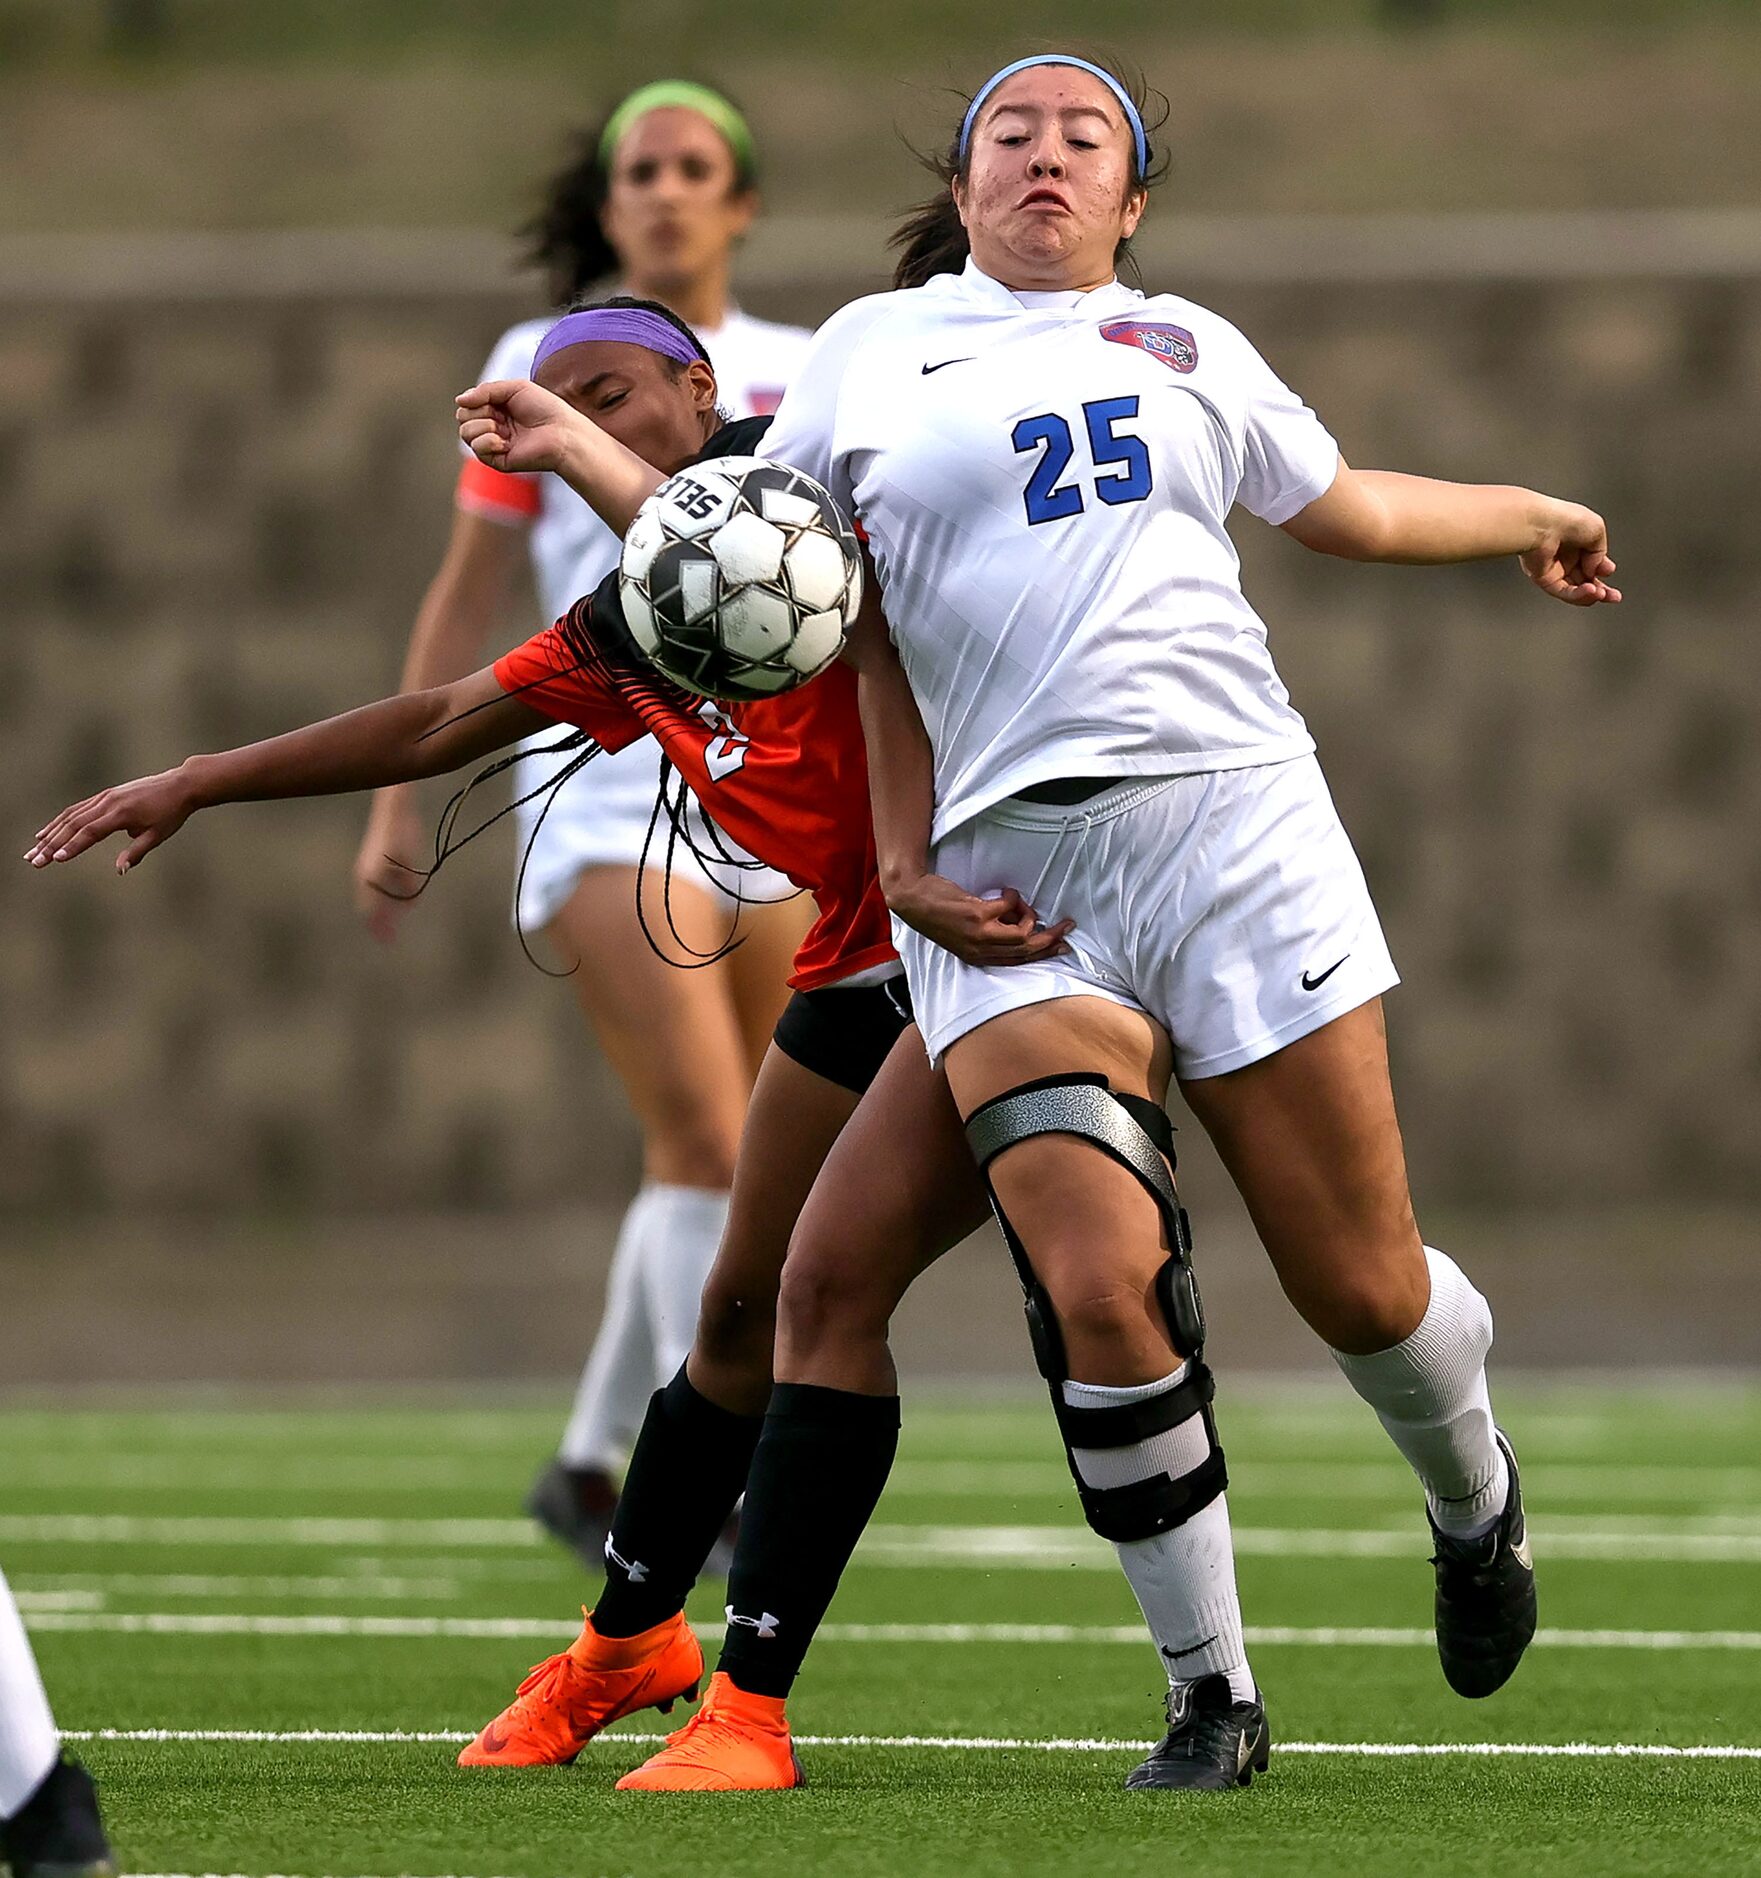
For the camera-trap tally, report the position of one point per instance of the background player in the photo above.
(660, 197)
(49, 1825)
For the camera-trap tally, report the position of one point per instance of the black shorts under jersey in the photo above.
(844, 1033)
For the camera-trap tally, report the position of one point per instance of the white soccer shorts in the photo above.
(1230, 906)
(600, 818)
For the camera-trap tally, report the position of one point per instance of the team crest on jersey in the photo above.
(1173, 345)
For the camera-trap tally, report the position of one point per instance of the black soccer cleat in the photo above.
(57, 1832)
(1485, 1597)
(575, 1506)
(1213, 1742)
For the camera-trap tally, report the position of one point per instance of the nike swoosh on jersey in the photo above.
(944, 365)
(1314, 984)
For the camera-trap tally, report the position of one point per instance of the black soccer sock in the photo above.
(688, 1471)
(821, 1463)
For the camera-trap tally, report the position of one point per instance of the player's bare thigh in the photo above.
(759, 967)
(671, 1034)
(792, 1122)
(1091, 1229)
(1310, 1137)
(898, 1189)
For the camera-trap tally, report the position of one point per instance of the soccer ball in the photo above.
(740, 578)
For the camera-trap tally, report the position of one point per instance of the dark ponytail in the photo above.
(932, 239)
(564, 237)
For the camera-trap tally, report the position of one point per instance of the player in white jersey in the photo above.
(660, 198)
(49, 1825)
(1043, 461)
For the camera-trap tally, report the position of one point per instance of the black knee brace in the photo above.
(1132, 1131)
(1138, 1135)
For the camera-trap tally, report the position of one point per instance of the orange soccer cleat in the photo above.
(735, 1743)
(566, 1700)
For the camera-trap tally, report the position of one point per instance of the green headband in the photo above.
(681, 92)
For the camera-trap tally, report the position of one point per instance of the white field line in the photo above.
(39, 1590)
(549, 1630)
(1002, 1547)
(1072, 1744)
(1739, 1488)
(952, 1479)
(1067, 1547)
(210, 1473)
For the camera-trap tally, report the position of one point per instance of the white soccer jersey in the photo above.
(1044, 479)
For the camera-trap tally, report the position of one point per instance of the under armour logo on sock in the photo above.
(765, 1625)
(632, 1568)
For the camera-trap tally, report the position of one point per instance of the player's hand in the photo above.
(149, 811)
(512, 424)
(1003, 930)
(388, 868)
(1570, 557)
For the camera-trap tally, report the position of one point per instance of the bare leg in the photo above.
(1310, 1138)
(897, 1191)
(674, 1040)
(1134, 1414)
(759, 968)
(1092, 1230)
(794, 1119)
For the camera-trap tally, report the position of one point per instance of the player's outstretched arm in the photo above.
(901, 786)
(402, 739)
(1382, 515)
(447, 641)
(512, 424)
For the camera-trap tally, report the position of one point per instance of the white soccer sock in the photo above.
(619, 1377)
(29, 1745)
(1430, 1393)
(683, 1240)
(1184, 1579)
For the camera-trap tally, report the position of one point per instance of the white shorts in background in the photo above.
(600, 818)
(1230, 906)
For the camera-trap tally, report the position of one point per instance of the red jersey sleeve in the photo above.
(548, 674)
(498, 495)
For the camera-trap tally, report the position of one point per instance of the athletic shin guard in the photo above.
(821, 1463)
(688, 1470)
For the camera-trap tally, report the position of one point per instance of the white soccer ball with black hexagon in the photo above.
(740, 577)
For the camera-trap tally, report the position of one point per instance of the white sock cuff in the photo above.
(1428, 1374)
(1109, 1395)
(29, 1745)
(706, 1202)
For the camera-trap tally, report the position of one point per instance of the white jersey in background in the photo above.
(600, 817)
(1044, 480)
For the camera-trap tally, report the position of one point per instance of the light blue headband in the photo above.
(1132, 114)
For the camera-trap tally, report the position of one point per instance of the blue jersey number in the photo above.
(1130, 481)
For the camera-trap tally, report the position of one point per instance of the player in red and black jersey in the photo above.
(787, 778)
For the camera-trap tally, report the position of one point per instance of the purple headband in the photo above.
(628, 325)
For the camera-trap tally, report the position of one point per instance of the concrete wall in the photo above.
(225, 485)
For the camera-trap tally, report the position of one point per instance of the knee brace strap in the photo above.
(1130, 1422)
(1142, 1508)
(1159, 1504)
(1130, 1130)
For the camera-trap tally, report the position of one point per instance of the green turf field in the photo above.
(342, 1595)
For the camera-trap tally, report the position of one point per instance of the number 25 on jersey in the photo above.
(1048, 497)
